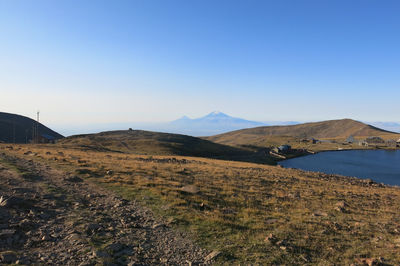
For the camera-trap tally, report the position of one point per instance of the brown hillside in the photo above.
(333, 129)
(18, 129)
(157, 143)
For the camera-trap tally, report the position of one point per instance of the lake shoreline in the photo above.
(375, 164)
(310, 152)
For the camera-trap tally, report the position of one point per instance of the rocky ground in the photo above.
(51, 217)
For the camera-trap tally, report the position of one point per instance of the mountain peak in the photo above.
(214, 123)
(217, 113)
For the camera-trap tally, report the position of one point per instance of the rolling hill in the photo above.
(156, 143)
(18, 129)
(332, 129)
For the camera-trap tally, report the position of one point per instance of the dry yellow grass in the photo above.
(251, 213)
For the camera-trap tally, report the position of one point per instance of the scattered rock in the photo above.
(271, 221)
(5, 233)
(317, 214)
(50, 228)
(23, 261)
(271, 239)
(202, 206)
(295, 195)
(191, 189)
(118, 204)
(341, 204)
(74, 237)
(371, 261)
(92, 228)
(282, 243)
(110, 172)
(339, 209)
(44, 236)
(212, 255)
(8, 257)
(3, 201)
(101, 254)
(157, 225)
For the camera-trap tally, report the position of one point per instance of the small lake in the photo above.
(382, 166)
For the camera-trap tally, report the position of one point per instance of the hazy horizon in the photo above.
(98, 62)
(73, 129)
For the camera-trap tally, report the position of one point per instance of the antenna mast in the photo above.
(37, 126)
(35, 129)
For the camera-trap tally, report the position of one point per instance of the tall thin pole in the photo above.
(37, 126)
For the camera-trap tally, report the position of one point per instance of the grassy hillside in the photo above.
(155, 143)
(18, 129)
(270, 135)
(252, 214)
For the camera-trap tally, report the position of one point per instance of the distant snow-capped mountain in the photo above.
(211, 124)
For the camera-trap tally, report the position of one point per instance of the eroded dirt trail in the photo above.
(50, 217)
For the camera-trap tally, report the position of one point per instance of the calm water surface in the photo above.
(382, 166)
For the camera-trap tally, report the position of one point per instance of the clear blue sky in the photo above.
(120, 61)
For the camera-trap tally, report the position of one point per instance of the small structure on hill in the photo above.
(315, 141)
(398, 143)
(44, 138)
(375, 140)
(284, 148)
(363, 143)
(391, 143)
(350, 139)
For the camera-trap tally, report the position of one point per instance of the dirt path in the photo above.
(53, 218)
